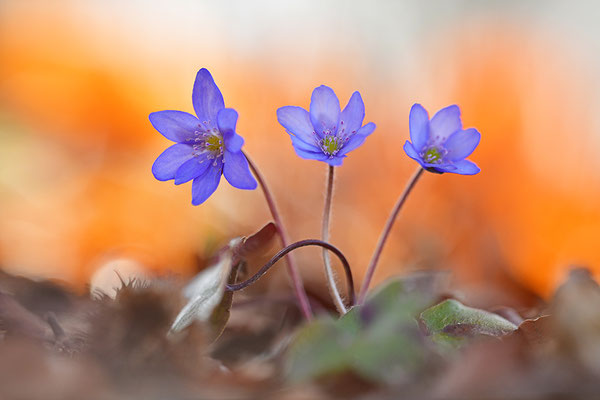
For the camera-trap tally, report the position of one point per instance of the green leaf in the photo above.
(380, 340)
(319, 348)
(450, 323)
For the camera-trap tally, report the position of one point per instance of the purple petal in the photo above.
(444, 123)
(324, 110)
(192, 168)
(170, 160)
(206, 184)
(226, 120)
(311, 155)
(418, 122)
(358, 139)
(237, 172)
(465, 167)
(296, 120)
(412, 153)
(335, 161)
(367, 129)
(436, 170)
(461, 144)
(441, 168)
(353, 115)
(302, 145)
(177, 126)
(206, 98)
(233, 142)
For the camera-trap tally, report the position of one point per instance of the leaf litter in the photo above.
(165, 338)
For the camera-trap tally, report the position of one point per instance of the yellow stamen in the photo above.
(330, 145)
(214, 143)
(432, 156)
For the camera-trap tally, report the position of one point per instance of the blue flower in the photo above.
(326, 133)
(206, 146)
(441, 145)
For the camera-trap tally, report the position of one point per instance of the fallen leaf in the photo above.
(256, 242)
(206, 291)
(537, 330)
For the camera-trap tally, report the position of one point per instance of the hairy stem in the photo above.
(386, 232)
(331, 284)
(283, 252)
(291, 263)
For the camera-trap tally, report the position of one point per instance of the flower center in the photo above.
(433, 155)
(331, 145)
(214, 144)
(208, 140)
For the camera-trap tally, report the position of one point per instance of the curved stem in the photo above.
(386, 232)
(291, 263)
(283, 252)
(331, 284)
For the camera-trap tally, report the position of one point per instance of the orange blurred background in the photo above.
(79, 78)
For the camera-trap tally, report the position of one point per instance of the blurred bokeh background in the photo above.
(79, 78)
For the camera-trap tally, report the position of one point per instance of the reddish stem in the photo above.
(285, 251)
(384, 235)
(291, 263)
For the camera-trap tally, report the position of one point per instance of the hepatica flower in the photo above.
(206, 145)
(441, 145)
(325, 133)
